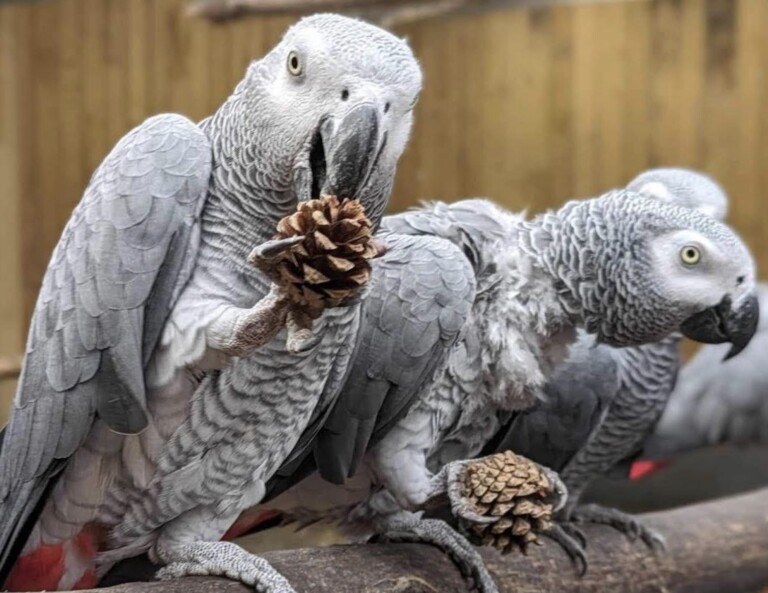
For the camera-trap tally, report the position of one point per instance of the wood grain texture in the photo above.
(12, 321)
(528, 105)
(715, 547)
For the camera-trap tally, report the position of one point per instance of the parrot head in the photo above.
(693, 272)
(696, 191)
(635, 269)
(683, 187)
(331, 107)
(711, 276)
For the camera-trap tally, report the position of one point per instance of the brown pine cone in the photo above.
(517, 490)
(332, 263)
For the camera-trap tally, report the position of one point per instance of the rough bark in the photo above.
(715, 547)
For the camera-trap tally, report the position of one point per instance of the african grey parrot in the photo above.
(717, 402)
(612, 264)
(150, 291)
(602, 402)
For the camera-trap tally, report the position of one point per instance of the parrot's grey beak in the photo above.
(725, 323)
(352, 148)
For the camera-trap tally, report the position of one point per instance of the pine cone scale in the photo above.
(515, 489)
(330, 265)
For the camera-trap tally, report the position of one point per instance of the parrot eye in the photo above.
(294, 64)
(690, 255)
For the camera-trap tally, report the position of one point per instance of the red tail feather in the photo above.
(248, 522)
(40, 570)
(643, 468)
(43, 568)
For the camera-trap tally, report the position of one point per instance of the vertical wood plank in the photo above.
(529, 106)
(12, 323)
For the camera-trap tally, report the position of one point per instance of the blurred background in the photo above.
(529, 104)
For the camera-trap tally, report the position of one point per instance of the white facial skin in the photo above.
(697, 271)
(324, 74)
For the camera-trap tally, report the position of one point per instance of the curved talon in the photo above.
(472, 517)
(570, 545)
(575, 533)
(560, 491)
(269, 250)
(630, 526)
(412, 528)
(653, 539)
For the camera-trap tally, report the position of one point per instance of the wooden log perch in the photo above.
(715, 547)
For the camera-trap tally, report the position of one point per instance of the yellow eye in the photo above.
(690, 255)
(294, 64)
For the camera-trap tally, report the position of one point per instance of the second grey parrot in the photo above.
(602, 402)
(614, 265)
(150, 291)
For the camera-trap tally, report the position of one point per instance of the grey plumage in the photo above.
(150, 295)
(602, 403)
(116, 272)
(591, 263)
(420, 299)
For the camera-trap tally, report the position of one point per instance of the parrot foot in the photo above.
(573, 542)
(265, 256)
(630, 526)
(452, 481)
(412, 528)
(223, 559)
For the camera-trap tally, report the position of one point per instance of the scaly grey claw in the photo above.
(630, 526)
(223, 559)
(410, 527)
(560, 494)
(573, 545)
(269, 250)
(575, 533)
(461, 507)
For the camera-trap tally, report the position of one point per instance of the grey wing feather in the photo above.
(576, 398)
(717, 402)
(420, 299)
(121, 262)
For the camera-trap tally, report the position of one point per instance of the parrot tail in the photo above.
(646, 467)
(52, 567)
(253, 521)
(140, 569)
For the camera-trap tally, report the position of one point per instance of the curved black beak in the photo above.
(351, 149)
(725, 323)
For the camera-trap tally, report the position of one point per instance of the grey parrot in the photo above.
(150, 295)
(602, 402)
(616, 265)
(716, 402)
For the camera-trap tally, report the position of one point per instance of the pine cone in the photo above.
(332, 262)
(514, 488)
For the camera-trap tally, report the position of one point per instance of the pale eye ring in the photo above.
(690, 255)
(294, 64)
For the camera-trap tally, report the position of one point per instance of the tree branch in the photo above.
(712, 547)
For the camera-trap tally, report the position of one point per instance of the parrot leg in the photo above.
(410, 527)
(238, 332)
(630, 526)
(188, 546)
(221, 559)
